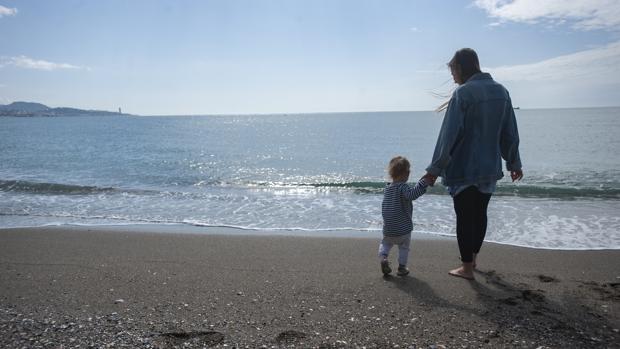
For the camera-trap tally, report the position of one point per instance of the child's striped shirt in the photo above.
(397, 207)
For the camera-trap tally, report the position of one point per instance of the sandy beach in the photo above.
(82, 287)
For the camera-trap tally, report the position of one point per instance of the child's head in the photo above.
(399, 169)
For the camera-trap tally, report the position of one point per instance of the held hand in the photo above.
(516, 175)
(430, 179)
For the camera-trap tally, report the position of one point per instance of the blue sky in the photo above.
(230, 57)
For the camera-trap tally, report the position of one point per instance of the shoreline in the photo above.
(181, 228)
(143, 288)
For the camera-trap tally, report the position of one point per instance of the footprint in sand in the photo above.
(533, 295)
(545, 278)
(609, 291)
(509, 301)
(196, 338)
(290, 336)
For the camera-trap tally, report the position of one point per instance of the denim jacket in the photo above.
(478, 130)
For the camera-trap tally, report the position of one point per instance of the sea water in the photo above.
(302, 173)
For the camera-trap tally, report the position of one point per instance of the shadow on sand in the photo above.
(519, 311)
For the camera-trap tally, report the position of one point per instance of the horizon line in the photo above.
(357, 112)
(313, 112)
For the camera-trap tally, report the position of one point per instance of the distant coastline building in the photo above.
(119, 110)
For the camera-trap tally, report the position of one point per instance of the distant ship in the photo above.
(516, 108)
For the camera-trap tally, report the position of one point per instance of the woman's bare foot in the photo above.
(466, 271)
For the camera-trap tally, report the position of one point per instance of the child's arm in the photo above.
(413, 193)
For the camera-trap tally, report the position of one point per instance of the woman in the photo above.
(478, 130)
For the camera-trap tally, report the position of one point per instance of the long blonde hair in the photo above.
(446, 99)
(466, 59)
(443, 106)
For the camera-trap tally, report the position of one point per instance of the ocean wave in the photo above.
(541, 190)
(556, 192)
(45, 188)
(531, 191)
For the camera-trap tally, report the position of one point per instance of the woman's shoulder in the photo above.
(465, 90)
(480, 90)
(462, 95)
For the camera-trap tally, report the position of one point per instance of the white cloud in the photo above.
(585, 14)
(595, 66)
(5, 11)
(29, 63)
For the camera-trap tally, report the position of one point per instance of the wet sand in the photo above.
(77, 287)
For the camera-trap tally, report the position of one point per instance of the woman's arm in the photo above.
(509, 140)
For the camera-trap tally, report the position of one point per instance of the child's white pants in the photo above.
(402, 242)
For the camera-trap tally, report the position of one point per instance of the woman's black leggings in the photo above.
(470, 206)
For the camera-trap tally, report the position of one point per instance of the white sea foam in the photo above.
(585, 224)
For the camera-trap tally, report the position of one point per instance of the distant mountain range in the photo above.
(38, 109)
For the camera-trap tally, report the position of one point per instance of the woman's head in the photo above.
(399, 168)
(464, 65)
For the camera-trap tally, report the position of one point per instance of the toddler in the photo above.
(396, 210)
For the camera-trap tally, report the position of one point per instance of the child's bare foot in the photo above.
(465, 271)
